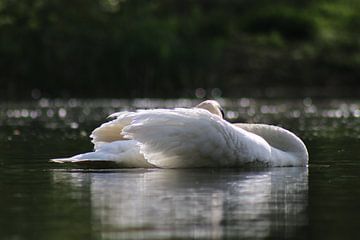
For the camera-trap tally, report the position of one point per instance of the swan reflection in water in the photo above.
(209, 204)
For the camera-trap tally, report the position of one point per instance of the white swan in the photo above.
(185, 138)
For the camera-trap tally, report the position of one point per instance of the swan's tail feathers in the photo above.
(111, 131)
(179, 138)
(90, 159)
(61, 160)
(88, 163)
(124, 153)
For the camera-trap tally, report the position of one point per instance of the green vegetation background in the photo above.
(142, 48)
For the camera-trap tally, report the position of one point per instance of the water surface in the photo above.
(40, 200)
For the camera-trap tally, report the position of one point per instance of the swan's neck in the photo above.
(286, 147)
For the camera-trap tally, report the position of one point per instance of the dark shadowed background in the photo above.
(141, 48)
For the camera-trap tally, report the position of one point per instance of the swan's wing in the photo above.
(111, 148)
(192, 138)
(111, 131)
(123, 153)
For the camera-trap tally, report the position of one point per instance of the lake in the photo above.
(41, 200)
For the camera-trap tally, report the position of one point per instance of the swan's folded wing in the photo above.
(183, 138)
(118, 153)
(111, 131)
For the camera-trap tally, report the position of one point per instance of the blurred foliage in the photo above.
(137, 48)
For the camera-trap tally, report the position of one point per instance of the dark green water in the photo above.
(39, 200)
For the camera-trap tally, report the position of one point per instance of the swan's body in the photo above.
(184, 138)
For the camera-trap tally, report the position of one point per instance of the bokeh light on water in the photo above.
(310, 118)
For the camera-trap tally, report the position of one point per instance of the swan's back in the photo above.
(194, 138)
(282, 142)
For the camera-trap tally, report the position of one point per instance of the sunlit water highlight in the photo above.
(40, 200)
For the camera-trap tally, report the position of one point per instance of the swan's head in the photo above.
(212, 106)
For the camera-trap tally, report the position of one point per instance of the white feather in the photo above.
(194, 138)
(111, 131)
(125, 153)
